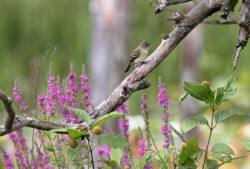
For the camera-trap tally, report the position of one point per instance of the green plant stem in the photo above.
(54, 152)
(158, 152)
(91, 153)
(211, 127)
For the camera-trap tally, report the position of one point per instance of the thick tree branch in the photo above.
(23, 121)
(181, 29)
(10, 111)
(135, 81)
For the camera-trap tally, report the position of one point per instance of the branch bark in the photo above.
(10, 111)
(23, 121)
(181, 29)
(135, 81)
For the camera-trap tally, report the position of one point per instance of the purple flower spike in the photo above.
(86, 89)
(7, 160)
(162, 95)
(17, 94)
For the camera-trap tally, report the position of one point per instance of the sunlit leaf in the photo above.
(116, 155)
(222, 152)
(113, 140)
(224, 114)
(191, 122)
(75, 134)
(105, 118)
(188, 152)
(183, 97)
(200, 92)
(80, 113)
(212, 164)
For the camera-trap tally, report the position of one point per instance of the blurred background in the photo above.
(101, 35)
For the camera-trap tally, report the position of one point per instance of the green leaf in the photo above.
(74, 153)
(222, 152)
(162, 155)
(246, 143)
(105, 118)
(111, 163)
(219, 94)
(61, 130)
(144, 160)
(212, 164)
(200, 92)
(229, 82)
(80, 113)
(191, 122)
(116, 155)
(183, 97)
(228, 89)
(75, 134)
(113, 140)
(224, 114)
(187, 154)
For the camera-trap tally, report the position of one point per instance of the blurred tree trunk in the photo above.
(110, 27)
(190, 69)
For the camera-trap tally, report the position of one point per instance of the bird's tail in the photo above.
(127, 69)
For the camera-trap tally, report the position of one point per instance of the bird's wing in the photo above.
(135, 54)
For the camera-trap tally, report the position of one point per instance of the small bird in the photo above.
(139, 54)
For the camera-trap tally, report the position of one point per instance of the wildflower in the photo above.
(162, 95)
(124, 122)
(17, 94)
(86, 89)
(7, 160)
(166, 128)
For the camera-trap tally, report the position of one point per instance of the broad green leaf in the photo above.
(74, 153)
(224, 114)
(81, 113)
(183, 97)
(191, 122)
(198, 155)
(105, 118)
(222, 152)
(61, 130)
(200, 92)
(228, 89)
(188, 152)
(229, 82)
(113, 140)
(144, 160)
(75, 134)
(246, 143)
(116, 155)
(212, 164)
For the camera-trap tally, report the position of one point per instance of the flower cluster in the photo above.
(166, 128)
(17, 94)
(104, 153)
(7, 160)
(86, 89)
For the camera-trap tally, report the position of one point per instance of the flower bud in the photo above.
(73, 144)
(97, 130)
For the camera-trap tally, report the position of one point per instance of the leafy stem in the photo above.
(91, 153)
(53, 151)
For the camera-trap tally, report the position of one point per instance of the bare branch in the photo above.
(23, 121)
(227, 7)
(162, 4)
(244, 30)
(10, 111)
(184, 26)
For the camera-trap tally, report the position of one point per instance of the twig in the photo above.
(10, 111)
(236, 158)
(22, 121)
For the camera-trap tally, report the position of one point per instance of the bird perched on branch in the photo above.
(139, 54)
